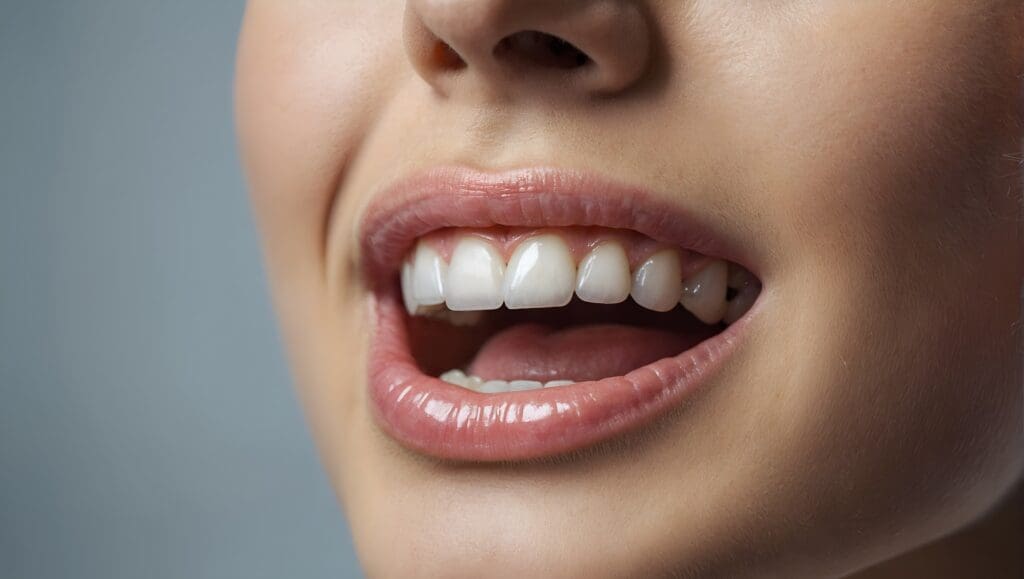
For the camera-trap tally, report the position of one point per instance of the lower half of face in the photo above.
(744, 301)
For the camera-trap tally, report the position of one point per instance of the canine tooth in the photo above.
(475, 276)
(658, 282)
(540, 274)
(428, 273)
(494, 387)
(557, 383)
(456, 377)
(740, 304)
(704, 292)
(407, 297)
(603, 276)
(520, 385)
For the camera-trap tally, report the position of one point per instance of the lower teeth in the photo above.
(459, 378)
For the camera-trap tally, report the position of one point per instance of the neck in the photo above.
(991, 547)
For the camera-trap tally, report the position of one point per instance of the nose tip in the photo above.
(590, 46)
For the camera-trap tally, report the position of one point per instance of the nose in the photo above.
(585, 47)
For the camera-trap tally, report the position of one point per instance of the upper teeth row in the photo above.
(542, 274)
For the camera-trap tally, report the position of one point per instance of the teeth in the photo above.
(410, 302)
(494, 387)
(658, 282)
(459, 378)
(704, 292)
(520, 385)
(603, 276)
(541, 274)
(456, 377)
(475, 276)
(428, 273)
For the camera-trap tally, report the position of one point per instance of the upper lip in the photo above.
(449, 422)
(453, 196)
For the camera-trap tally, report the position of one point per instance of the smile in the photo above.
(536, 312)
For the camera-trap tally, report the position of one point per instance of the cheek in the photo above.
(893, 124)
(311, 74)
(862, 97)
(870, 140)
(310, 79)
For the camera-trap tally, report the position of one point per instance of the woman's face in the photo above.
(860, 158)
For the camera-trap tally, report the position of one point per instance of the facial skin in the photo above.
(866, 155)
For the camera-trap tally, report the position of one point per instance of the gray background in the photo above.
(147, 425)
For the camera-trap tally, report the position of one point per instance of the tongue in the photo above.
(580, 353)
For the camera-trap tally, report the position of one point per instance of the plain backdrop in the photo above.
(147, 424)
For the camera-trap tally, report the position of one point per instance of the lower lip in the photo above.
(447, 422)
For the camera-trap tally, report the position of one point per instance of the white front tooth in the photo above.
(704, 292)
(456, 377)
(557, 383)
(521, 385)
(658, 282)
(428, 273)
(741, 304)
(475, 276)
(407, 297)
(541, 274)
(494, 387)
(603, 276)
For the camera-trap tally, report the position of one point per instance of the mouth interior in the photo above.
(499, 311)
(580, 341)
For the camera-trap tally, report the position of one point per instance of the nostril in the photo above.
(539, 49)
(444, 57)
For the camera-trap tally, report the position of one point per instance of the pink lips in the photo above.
(448, 422)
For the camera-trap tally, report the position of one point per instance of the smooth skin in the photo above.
(866, 152)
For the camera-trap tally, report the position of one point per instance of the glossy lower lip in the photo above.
(445, 421)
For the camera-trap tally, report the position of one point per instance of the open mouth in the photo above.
(538, 312)
(513, 309)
